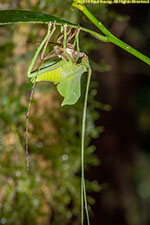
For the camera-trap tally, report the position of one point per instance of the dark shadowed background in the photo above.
(118, 156)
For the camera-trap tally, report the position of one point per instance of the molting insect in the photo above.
(66, 73)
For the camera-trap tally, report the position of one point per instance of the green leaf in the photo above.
(19, 16)
(70, 89)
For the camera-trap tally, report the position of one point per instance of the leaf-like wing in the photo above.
(70, 89)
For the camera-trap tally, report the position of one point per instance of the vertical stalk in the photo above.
(83, 189)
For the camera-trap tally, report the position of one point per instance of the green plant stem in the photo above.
(95, 34)
(83, 189)
(110, 37)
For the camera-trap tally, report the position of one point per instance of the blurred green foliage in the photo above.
(51, 192)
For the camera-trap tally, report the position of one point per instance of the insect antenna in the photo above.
(50, 42)
(27, 127)
(27, 123)
(43, 44)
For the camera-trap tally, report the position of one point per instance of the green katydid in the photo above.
(67, 75)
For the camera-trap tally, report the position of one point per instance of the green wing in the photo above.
(70, 89)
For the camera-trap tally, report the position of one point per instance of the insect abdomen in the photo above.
(53, 76)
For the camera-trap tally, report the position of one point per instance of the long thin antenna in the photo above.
(83, 188)
(27, 128)
(43, 43)
(50, 42)
(27, 121)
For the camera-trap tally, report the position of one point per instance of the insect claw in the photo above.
(49, 25)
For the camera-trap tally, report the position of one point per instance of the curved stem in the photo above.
(98, 36)
(110, 37)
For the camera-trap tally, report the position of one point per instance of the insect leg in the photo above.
(38, 51)
(71, 35)
(67, 56)
(50, 55)
(65, 37)
(61, 36)
(77, 42)
(46, 43)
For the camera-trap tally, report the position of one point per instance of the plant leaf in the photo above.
(70, 89)
(19, 16)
